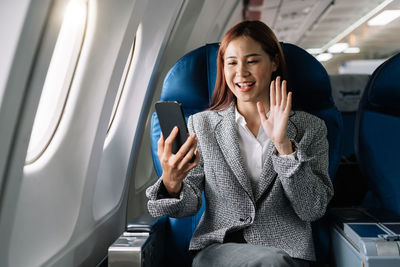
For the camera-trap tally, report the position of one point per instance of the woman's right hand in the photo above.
(176, 166)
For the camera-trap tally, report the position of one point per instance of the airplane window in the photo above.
(121, 86)
(58, 79)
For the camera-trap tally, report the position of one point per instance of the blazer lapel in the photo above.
(227, 138)
(268, 174)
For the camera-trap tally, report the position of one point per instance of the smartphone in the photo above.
(170, 114)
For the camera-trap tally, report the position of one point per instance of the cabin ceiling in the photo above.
(319, 24)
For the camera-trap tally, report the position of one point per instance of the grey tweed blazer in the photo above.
(275, 212)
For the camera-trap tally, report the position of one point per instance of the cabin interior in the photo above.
(78, 84)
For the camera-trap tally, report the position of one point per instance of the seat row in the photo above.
(376, 121)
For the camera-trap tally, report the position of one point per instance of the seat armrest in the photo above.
(145, 223)
(349, 214)
(367, 235)
(340, 217)
(142, 244)
(359, 215)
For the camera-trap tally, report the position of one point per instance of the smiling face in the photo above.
(248, 69)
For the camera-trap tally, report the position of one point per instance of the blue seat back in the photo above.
(312, 92)
(191, 81)
(377, 136)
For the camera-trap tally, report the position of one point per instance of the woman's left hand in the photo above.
(275, 125)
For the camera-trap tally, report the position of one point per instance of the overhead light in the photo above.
(356, 24)
(352, 50)
(324, 57)
(338, 47)
(314, 51)
(384, 18)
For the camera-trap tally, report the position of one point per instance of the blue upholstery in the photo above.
(191, 81)
(377, 136)
(312, 92)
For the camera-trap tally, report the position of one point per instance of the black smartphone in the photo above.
(170, 114)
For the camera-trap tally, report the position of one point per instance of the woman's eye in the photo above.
(252, 61)
(232, 63)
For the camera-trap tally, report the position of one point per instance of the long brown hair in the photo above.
(258, 31)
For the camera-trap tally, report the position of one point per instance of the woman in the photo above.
(263, 168)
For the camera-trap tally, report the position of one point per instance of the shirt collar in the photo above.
(239, 119)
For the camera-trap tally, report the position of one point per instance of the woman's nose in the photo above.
(241, 70)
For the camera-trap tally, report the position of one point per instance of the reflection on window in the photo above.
(121, 86)
(59, 78)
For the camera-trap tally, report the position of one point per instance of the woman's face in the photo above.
(248, 69)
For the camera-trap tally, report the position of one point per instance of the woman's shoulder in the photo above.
(207, 117)
(306, 120)
(303, 115)
(206, 114)
(206, 121)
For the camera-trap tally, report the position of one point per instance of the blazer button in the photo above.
(247, 219)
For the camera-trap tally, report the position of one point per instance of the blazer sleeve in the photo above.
(306, 180)
(190, 197)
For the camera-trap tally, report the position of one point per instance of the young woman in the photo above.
(263, 168)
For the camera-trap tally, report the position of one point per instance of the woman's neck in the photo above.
(250, 113)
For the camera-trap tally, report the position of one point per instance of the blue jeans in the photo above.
(236, 254)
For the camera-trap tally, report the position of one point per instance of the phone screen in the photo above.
(170, 114)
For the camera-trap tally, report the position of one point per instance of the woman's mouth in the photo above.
(245, 86)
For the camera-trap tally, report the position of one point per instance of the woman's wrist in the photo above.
(173, 188)
(284, 148)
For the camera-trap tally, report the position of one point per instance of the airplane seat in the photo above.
(350, 187)
(312, 92)
(376, 136)
(365, 233)
(191, 81)
(347, 90)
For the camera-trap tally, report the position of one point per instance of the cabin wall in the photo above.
(71, 202)
(66, 207)
(18, 102)
(48, 207)
(11, 21)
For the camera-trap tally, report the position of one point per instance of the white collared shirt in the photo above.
(254, 149)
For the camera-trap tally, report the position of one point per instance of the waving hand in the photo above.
(275, 125)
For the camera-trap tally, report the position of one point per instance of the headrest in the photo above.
(347, 90)
(308, 80)
(191, 80)
(382, 93)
